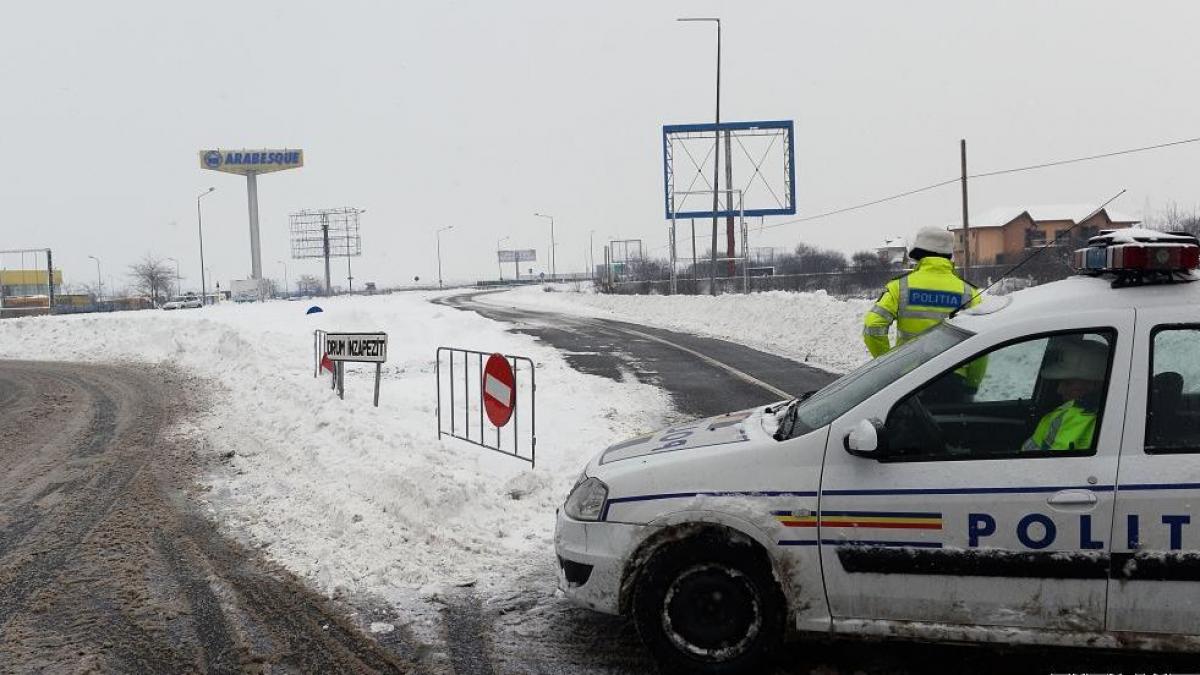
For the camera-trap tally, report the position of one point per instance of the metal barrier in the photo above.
(460, 388)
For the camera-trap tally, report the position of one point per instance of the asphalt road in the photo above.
(708, 377)
(105, 567)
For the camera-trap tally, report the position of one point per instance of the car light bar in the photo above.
(1138, 250)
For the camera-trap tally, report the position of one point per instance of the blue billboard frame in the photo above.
(789, 156)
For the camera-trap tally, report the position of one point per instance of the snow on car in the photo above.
(962, 487)
(183, 302)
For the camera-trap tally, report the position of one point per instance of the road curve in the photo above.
(104, 564)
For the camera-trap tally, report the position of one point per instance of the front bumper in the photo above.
(592, 558)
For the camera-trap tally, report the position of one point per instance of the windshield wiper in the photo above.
(788, 424)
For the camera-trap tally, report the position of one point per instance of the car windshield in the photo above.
(854, 387)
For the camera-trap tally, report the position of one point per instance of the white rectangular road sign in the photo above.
(367, 347)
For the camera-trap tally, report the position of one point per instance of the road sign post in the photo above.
(341, 348)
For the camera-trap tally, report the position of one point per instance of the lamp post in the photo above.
(439, 251)
(99, 286)
(178, 291)
(712, 272)
(349, 276)
(200, 229)
(553, 266)
(285, 278)
(498, 265)
(592, 255)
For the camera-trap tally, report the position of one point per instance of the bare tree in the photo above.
(152, 277)
(1174, 218)
(308, 284)
(869, 261)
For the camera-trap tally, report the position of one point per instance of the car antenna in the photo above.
(1036, 251)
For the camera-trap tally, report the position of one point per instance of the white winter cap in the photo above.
(1084, 360)
(934, 240)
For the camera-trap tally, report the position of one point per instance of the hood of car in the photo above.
(729, 429)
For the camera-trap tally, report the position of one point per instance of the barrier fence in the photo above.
(460, 403)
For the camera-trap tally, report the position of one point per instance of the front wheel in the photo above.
(709, 606)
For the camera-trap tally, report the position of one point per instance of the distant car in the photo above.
(183, 302)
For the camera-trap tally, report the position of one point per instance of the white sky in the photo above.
(478, 114)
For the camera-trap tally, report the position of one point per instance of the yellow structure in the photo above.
(16, 283)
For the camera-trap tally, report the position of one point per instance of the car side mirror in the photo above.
(866, 439)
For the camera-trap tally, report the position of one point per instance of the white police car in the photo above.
(907, 499)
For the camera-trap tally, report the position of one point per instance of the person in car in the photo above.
(1079, 371)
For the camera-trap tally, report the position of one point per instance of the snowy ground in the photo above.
(364, 500)
(815, 328)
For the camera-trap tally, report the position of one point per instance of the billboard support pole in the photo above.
(50, 277)
(325, 244)
(252, 203)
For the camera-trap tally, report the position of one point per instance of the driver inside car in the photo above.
(1079, 371)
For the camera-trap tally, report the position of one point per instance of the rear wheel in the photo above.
(709, 606)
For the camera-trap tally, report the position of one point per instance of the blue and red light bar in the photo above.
(1137, 250)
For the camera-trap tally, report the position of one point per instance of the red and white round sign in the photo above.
(499, 390)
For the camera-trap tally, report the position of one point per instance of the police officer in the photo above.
(920, 299)
(1079, 370)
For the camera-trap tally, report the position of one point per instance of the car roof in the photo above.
(1076, 292)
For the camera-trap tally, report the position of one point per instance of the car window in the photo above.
(853, 388)
(1173, 403)
(1039, 396)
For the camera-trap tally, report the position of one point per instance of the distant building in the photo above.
(894, 251)
(1002, 236)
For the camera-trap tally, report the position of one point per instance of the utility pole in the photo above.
(962, 144)
(729, 245)
(439, 251)
(712, 272)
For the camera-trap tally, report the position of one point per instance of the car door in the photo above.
(1156, 539)
(987, 534)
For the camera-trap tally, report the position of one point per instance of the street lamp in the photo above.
(439, 251)
(592, 255)
(200, 228)
(498, 265)
(99, 286)
(349, 276)
(712, 272)
(553, 267)
(285, 278)
(178, 290)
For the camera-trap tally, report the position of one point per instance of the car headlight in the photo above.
(586, 501)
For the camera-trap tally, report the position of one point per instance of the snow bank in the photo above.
(354, 497)
(811, 327)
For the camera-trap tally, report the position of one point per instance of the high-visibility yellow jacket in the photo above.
(1070, 426)
(916, 302)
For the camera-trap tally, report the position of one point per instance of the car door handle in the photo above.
(1074, 498)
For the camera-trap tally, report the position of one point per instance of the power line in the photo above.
(986, 174)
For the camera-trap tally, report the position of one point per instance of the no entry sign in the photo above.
(498, 390)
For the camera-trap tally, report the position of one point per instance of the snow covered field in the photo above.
(815, 328)
(359, 499)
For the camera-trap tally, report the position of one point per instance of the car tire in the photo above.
(709, 605)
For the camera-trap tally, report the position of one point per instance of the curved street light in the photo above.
(553, 267)
(99, 286)
(439, 251)
(498, 265)
(200, 228)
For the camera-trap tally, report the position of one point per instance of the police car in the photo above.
(890, 505)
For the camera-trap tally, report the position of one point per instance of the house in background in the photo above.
(894, 251)
(1002, 236)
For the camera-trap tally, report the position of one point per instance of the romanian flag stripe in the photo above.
(884, 520)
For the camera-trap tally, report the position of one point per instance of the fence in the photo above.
(847, 283)
(460, 402)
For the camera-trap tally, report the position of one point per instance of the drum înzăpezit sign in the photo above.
(365, 347)
(251, 161)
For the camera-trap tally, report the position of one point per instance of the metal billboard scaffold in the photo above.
(326, 233)
(516, 257)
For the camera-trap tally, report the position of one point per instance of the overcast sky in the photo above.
(478, 114)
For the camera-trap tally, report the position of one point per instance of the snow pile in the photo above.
(355, 497)
(812, 327)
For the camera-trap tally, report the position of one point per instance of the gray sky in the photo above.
(478, 114)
